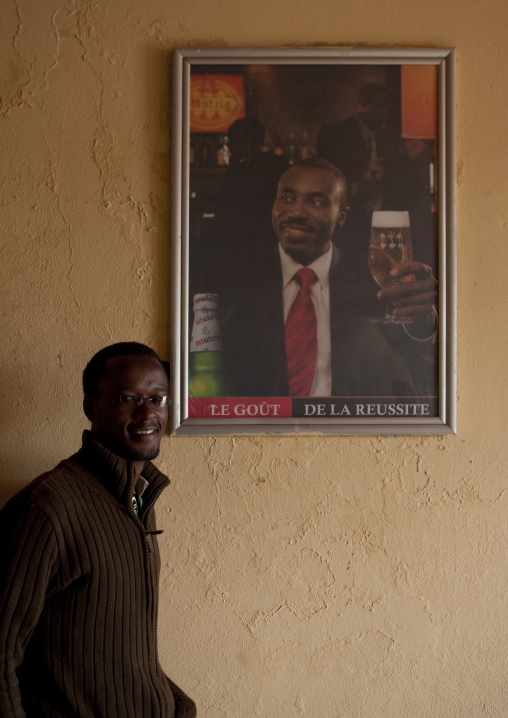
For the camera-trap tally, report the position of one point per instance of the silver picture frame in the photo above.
(343, 62)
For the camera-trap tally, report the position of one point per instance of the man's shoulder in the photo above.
(341, 143)
(350, 121)
(337, 127)
(49, 490)
(251, 275)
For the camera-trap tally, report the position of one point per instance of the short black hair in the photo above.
(321, 164)
(247, 130)
(96, 367)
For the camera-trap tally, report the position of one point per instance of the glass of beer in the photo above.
(390, 245)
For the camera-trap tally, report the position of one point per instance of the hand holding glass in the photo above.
(390, 246)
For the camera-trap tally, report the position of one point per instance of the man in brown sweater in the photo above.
(79, 562)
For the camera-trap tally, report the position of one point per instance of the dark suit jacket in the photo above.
(342, 144)
(367, 359)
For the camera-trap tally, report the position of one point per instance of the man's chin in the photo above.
(300, 254)
(132, 452)
(294, 247)
(142, 454)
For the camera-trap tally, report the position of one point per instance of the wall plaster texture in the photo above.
(346, 577)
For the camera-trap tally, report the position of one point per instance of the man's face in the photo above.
(133, 433)
(306, 211)
(375, 113)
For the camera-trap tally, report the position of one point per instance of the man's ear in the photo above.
(342, 216)
(89, 407)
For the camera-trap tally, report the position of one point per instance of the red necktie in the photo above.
(301, 336)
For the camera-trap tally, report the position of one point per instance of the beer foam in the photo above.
(390, 220)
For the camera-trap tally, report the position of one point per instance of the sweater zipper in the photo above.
(152, 658)
(141, 516)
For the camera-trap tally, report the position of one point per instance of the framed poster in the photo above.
(313, 275)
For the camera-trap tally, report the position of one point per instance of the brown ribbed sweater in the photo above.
(79, 594)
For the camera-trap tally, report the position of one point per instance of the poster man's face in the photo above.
(306, 211)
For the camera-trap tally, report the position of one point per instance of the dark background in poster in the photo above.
(293, 102)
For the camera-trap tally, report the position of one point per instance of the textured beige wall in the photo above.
(345, 577)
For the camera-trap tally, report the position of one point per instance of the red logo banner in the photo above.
(239, 408)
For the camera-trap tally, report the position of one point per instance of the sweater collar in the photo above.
(116, 473)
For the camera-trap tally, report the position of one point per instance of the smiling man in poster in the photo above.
(300, 325)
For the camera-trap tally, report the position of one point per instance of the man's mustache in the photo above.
(295, 224)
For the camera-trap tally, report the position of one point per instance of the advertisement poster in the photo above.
(313, 243)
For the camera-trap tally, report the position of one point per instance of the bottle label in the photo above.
(206, 336)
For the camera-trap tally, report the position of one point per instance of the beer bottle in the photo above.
(279, 147)
(291, 149)
(305, 152)
(207, 376)
(223, 151)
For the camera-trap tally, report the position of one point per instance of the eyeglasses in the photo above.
(135, 400)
